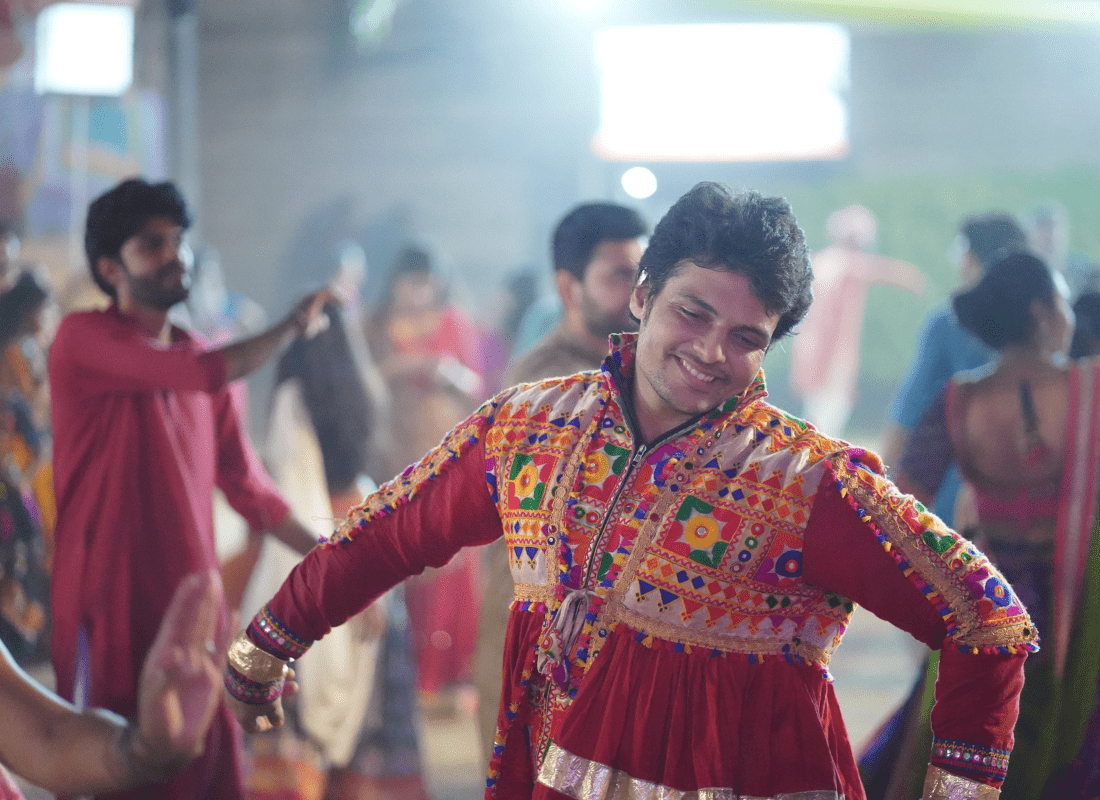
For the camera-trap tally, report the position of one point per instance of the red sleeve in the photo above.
(978, 688)
(247, 486)
(106, 354)
(840, 554)
(420, 519)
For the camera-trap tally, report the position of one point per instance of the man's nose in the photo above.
(709, 347)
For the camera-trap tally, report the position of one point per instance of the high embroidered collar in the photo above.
(623, 350)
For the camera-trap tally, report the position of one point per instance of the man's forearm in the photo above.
(246, 355)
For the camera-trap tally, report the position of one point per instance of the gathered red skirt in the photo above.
(678, 718)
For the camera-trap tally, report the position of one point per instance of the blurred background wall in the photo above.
(293, 124)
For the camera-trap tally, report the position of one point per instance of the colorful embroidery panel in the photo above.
(976, 602)
(698, 543)
(724, 567)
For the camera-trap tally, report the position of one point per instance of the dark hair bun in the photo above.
(998, 309)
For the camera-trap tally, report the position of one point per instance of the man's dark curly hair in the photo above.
(745, 233)
(119, 213)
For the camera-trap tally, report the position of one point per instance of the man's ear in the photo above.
(567, 286)
(638, 299)
(110, 270)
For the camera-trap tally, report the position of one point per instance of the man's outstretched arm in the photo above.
(420, 519)
(50, 743)
(115, 357)
(246, 355)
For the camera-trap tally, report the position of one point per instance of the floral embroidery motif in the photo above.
(723, 569)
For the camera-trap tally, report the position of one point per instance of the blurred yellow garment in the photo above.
(16, 374)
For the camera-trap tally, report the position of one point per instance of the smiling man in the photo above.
(144, 429)
(685, 556)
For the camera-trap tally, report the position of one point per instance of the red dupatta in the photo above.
(1077, 509)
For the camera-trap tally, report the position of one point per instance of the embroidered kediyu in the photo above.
(677, 602)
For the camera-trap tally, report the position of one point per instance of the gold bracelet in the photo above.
(255, 664)
(940, 784)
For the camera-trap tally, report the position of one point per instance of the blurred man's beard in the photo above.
(601, 323)
(151, 293)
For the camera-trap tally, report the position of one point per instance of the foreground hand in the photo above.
(265, 717)
(309, 316)
(180, 684)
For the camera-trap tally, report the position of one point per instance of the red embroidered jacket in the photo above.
(677, 602)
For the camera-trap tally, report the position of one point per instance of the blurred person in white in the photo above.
(52, 744)
(352, 728)
(9, 251)
(826, 350)
(595, 250)
(213, 309)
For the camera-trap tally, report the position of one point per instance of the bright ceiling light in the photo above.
(84, 49)
(639, 183)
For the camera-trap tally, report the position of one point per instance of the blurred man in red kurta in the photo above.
(144, 429)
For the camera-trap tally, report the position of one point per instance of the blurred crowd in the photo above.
(373, 388)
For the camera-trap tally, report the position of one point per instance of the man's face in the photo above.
(607, 286)
(156, 265)
(702, 340)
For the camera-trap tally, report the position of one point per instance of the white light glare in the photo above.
(84, 48)
(718, 92)
(639, 183)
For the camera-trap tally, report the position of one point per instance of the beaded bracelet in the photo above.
(249, 691)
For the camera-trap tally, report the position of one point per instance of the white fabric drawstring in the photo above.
(568, 622)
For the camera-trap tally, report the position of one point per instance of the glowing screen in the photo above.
(723, 93)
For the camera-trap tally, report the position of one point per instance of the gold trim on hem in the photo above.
(583, 779)
(939, 784)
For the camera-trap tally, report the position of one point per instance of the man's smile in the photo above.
(695, 372)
